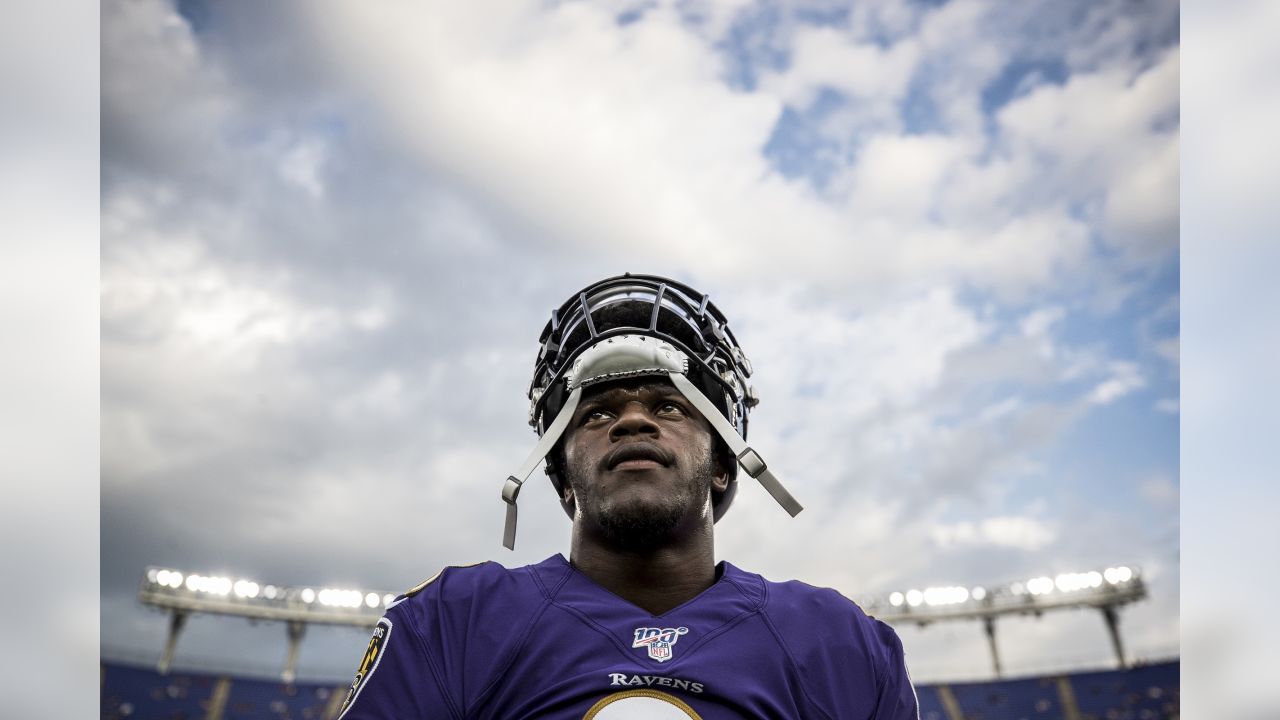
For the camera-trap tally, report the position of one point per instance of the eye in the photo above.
(670, 408)
(595, 415)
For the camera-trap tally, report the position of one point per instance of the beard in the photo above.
(636, 524)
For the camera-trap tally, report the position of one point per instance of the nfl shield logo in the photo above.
(658, 641)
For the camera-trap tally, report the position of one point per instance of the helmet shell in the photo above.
(651, 306)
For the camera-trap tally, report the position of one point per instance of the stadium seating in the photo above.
(1140, 693)
(251, 699)
(1148, 692)
(931, 707)
(131, 692)
(134, 693)
(1009, 699)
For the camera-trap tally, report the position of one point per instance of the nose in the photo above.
(634, 419)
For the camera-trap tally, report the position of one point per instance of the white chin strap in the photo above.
(628, 356)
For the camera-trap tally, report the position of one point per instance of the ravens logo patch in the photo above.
(369, 663)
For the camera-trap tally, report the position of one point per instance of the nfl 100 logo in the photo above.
(658, 641)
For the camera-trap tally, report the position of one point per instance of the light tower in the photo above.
(1106, 591)
(185, 594)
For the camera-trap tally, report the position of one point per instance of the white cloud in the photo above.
(1107, 132)
(1125, 378)
(966, 52)
(894, 355)
(999, 410)
(1008, 531)
(162, 103)
(900, 176)
(1159, 490)
(1142, 201)
(585, 129)
(1037, 324)
(554, 117)
(828, 58)
(302, 165)
(1027, 251)
(1170, 349)
(893, 19)
(191, 302)
(1093, 115)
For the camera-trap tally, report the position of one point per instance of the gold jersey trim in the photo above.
(646, 693)
(419, 587)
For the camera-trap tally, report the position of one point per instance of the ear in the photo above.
(720, 482)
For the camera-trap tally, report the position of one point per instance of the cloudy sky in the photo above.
(946, 233)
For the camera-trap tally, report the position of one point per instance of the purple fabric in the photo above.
(544, 641)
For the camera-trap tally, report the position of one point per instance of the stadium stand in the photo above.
(1140, 693)
(133, 692)
(1148, 692)
(1007, 699)
(251, 699)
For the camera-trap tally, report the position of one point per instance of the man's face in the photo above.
(640, 461)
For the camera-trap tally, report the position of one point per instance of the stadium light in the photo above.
(335, 597)
(1118, 575)
(184, 594)
(952, 595)
(238, 595)
(246, 589)
(1089, 588)
(1071, 582)
(1105, 591)
(1040, 585)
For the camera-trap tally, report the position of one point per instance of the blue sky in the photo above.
(945, 233)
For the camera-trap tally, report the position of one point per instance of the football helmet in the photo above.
(641, 325)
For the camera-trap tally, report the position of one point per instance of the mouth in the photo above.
(637, 456)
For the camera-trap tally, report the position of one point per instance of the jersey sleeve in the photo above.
(897, 696)
(395, 680)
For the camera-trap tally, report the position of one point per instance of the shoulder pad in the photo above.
(419, 587)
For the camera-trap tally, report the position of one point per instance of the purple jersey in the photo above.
(545, 641)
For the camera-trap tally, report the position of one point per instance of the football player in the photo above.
(640, 396)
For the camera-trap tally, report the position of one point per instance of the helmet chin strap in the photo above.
(633, 356)
(512, 489)
(749, 459)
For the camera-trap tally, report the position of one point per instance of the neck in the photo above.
(655, 579)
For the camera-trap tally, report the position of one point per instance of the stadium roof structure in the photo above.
(183, 594)
(1106, 591)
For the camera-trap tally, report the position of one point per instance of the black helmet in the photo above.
(636, 325)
